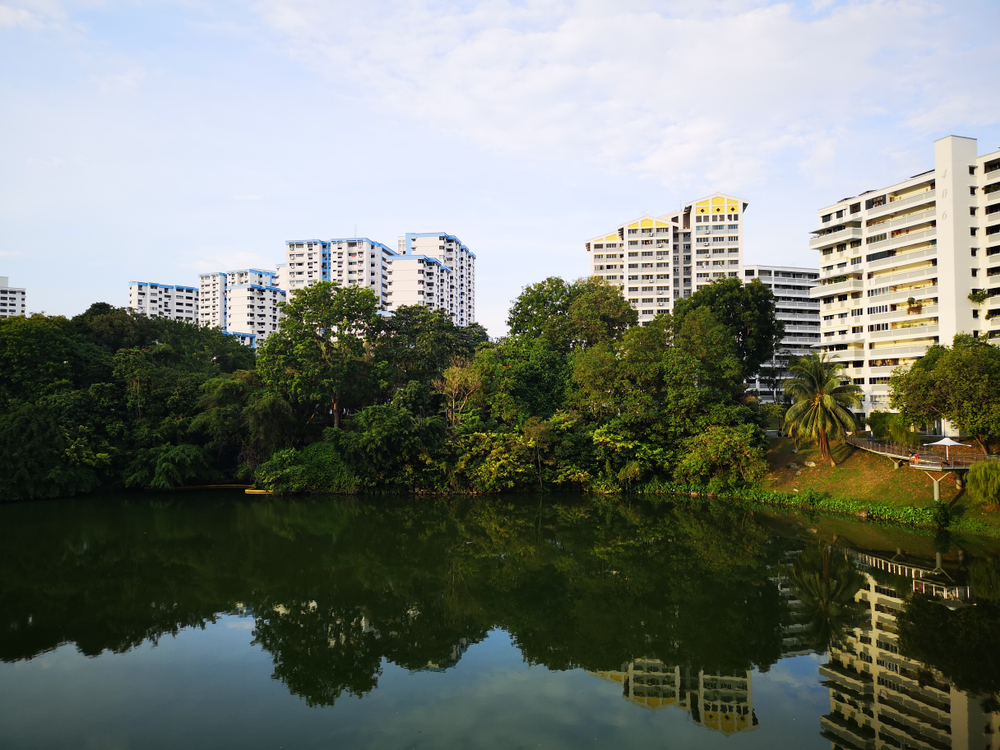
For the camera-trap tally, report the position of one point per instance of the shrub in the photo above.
(316, 468)
(984, 482)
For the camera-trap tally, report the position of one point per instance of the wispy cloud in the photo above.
(718, 91)
(31, 14)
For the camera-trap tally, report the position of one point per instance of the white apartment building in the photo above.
(242, 303)
(650, 258)
(164, 301)
(459, 295)
(430, 269)
(13, 300)
(420, 280)
(354, 261)
(794, 307)
(897, 265)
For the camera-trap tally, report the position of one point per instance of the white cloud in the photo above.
(11, 17)
(716, 91)
(246, 197)
(31, 14)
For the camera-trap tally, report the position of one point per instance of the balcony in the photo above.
(844, 235)
(920, 216)
(901, 314)
(891, 279)
(841, 287)
(919, 292)
(902, 258)
(896, 333)
(909, 238)
(898, 351)
(892, 206)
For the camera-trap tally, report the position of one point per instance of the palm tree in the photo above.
(822, 398)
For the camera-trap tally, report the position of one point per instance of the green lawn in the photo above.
(858, 474)
(864, 476)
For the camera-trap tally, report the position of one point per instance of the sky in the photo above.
(154, 141)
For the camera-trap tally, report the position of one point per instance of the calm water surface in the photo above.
(214, 621)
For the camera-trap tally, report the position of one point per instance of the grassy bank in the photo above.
(864, 481)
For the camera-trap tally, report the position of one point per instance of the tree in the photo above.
(984, 482)
(960, 384)
(822, 401)
(747, 311)
(416, 343)
(316, 355)
(542, 309)
(598, 313)
(724, 458)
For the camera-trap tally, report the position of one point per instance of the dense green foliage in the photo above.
(108, 399)
(346, 399)
(960, 384)
(893, 427)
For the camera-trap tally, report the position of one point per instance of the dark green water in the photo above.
(214, 621)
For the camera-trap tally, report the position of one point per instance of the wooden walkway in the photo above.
(929, 460)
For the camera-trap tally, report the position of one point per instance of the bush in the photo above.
(317, 468)
(984, 482)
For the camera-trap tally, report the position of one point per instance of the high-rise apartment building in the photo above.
(13, 301)
(431, 269)
(351, 261)
(898, 265)
(164, 301)
(794, 307)
(243, 303)
(458, 296)
(656, 260)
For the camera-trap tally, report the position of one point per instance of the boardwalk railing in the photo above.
(931, 458)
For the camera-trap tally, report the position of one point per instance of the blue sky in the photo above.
(158, 140)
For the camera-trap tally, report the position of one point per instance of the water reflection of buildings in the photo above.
(720, 702)
(880, 699)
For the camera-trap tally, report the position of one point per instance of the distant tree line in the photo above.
(346, 399)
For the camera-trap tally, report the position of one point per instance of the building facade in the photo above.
(898, 265)
(794, 307)
(434, 270)
(459, 297)
(13, 300)
(656, 260)
(243, 303)
(164, 301)
(351, 261)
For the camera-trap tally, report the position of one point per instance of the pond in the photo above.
(212, 620)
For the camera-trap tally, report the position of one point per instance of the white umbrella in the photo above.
(947, 443)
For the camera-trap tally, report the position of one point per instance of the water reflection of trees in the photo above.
(825, 582)
(335, 588)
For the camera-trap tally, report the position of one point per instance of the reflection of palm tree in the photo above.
(826, 585)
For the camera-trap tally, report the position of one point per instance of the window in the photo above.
(878, 327)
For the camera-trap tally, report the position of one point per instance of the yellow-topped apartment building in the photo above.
(656, 260)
